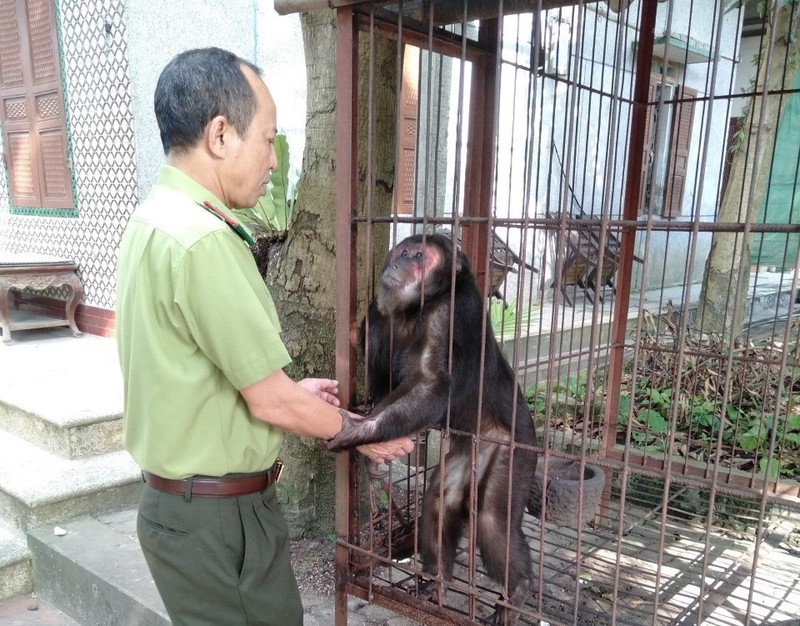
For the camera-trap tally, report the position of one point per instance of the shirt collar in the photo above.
(171, 177)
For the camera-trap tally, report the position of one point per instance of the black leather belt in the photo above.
(216, 486)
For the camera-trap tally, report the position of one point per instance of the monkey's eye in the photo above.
(404, 253)
(418, 255)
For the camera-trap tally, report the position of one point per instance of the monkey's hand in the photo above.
(356, 430)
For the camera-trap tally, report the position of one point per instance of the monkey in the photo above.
(419, 381)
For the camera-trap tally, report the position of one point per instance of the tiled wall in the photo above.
(100, 131)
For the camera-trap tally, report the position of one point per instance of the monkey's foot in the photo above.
(504, 616)
(431, 590)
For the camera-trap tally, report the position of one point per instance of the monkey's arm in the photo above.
(419, 401)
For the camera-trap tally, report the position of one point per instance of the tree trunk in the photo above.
(728, 265)
(300, 269)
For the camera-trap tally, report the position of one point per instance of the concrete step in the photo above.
(96, 573)
(15, 563)
(38, 487)
(31, 610)
(64, 395)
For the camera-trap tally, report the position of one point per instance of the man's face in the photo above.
(252, 158)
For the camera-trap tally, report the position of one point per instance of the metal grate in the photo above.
(593, 139)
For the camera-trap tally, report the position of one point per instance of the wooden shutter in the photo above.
(647, 154)
(679, 153)
(407, 134)
(32, 106)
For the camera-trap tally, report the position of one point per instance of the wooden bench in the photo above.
(37, 272)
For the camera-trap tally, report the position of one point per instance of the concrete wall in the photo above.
(248, 28)
(112, 52)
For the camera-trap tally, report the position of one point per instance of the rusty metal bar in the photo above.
(441, 43)
(346, 171)
(644, 59)
(481, 157)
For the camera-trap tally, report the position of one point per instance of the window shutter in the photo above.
(679, 153)
(14, 110)
(407, 135)
(647, 155)
(32, 108)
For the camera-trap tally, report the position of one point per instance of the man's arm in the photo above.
(280, 401)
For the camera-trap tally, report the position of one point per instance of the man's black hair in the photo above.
(195, 87)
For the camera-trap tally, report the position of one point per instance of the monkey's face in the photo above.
(412, 272)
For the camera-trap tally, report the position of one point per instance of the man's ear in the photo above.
(216, 135)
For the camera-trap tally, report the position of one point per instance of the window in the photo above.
(32, 106)
(668, 135)
(559, 38)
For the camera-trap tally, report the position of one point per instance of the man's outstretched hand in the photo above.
(385, 451)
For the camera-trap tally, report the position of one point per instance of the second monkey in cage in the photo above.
(422, 375)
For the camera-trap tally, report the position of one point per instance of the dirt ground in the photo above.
(313, 562)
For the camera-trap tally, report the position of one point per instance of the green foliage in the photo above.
(273, 212)
(504, 318)
(700, 421)
(762, 6)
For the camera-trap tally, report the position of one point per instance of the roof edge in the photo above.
(285, 7)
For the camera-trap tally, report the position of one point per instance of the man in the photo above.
(206, 400)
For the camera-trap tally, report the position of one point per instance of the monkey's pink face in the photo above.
(417, 259)
(411, 266)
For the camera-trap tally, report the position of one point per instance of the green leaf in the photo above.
(654, 420)
(774, 467)
(793, 422)
(750, 440)
(793, 438)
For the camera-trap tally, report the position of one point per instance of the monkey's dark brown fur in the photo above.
(417, 384)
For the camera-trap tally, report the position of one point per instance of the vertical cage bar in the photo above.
(346, 169)
(644, 59)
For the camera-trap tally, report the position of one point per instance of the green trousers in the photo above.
(220, 561)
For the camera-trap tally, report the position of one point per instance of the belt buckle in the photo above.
(278, 471)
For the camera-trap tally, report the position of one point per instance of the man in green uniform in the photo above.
(206, 399)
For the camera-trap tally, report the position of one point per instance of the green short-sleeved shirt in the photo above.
(195, 323)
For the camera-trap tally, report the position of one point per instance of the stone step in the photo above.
(96, 573)
(64, 395)
(73, 436)
(30, 610)
(15, 563)
(38, 487)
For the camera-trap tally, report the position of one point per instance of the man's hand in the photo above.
(323, 388)
(385, 451)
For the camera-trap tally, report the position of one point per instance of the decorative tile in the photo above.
(94, 61)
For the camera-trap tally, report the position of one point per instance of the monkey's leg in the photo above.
(444, 514)
(497, 537)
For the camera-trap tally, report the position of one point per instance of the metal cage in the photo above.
(642, 172)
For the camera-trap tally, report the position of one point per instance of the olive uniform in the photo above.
(195, 324)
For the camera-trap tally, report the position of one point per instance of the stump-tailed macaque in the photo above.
(430, 365)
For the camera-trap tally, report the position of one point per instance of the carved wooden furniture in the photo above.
(30, 271)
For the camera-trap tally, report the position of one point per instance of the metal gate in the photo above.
(625, 182)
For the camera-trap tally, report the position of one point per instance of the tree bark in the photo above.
(722, 298)
(300, 269)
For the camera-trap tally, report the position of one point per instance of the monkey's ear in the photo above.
(462, 262)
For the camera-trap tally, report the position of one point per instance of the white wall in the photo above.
(248, 28)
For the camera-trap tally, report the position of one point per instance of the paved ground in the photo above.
(29, 610)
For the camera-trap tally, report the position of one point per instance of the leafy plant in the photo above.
(273, 212)
(504, 318)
